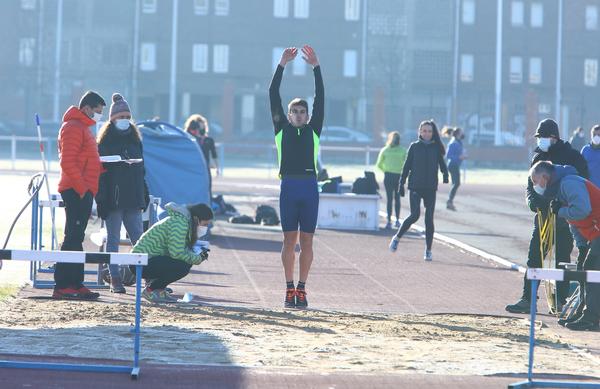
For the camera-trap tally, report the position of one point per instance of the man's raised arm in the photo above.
(318, 111)
(277, 113)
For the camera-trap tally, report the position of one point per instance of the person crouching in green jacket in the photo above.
(172, 249)
(391, 161)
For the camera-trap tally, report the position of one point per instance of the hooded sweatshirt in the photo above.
(169, 236)
(80, 164)
(391, 159)
(570, 189)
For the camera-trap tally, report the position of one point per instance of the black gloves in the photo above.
(446, 180)
(401, 190)
(555, 205)
(204, 254)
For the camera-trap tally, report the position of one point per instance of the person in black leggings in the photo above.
(390, 161)
(424, 158)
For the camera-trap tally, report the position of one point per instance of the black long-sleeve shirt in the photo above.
(297, 148)
(421, 166)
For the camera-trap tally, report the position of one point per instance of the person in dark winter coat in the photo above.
(122, 193)
(576, 200)
(425, 157)
(591, 154)
(197, 126)
(550, 148)
(455, 155)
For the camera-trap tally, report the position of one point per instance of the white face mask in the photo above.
(539, 190)
(122, 124)
(544, 143)
(596, 140)
(97, 117)
(201, 231)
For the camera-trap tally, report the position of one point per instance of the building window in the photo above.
(516, 70)
(590, 72)
(301, 9)
(591, 17)
(149, 6)
(28, 4)
(281, 8)
(201, 7)
(26, 50)
(467, 67)
(537, 15)
(350, 63)
(148, 57)
(299, 67)
(276, 56)
(517, 11)
(200, 58)
(220, 58)
(221, 7)
(468, 11)
(352, 10)
(535, 70)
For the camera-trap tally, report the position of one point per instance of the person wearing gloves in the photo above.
(391, 161)
(425, 157)
(122, 193)
(80, 168)
(550, 148)
(172, 249)
(576, 200)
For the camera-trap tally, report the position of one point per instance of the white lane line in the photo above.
(382, 286)
(245, 269)
(469, 248)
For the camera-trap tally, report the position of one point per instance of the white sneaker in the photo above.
(428, 256)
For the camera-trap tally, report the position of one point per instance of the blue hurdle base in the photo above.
(553, 384)
(134, 371)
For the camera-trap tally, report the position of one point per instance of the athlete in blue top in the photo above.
(297, 140)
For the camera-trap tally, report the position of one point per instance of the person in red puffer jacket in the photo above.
(80, 170)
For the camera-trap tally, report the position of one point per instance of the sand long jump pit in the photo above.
(310, 340)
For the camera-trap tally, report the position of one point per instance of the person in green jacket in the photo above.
(391, 161)
(172, 248)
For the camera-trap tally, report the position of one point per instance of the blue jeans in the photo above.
(132, 220)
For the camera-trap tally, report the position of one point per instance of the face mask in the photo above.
(122, 124)
(539, 190)
(201, 231)
(596, 140)
(544, 144)
(97, 117)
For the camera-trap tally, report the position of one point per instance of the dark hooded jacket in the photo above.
(421, 167)
(560, 153)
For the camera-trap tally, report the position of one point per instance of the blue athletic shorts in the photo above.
(299, 204)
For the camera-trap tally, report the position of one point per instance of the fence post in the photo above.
(13, 151)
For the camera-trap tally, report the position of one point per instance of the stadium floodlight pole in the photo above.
(455, 64)
(498, 110)
(39, 132)
(173, 78)
(559, 32)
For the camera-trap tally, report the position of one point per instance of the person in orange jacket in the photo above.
(80, 171)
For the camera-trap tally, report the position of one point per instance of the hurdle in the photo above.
(138, 260)
(535, 275)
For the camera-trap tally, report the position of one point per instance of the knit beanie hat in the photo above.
(119, 104)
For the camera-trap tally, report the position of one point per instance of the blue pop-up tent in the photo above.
(175, 167)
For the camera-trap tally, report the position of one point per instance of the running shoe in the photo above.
(521, 306)
(394, 244)
(428, 256)
(290, 298)
(301, 301)
(397, 224)
(388, 225)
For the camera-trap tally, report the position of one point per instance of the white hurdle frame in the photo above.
(535, 275)
(135, 259)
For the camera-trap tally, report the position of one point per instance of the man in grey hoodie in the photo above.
(578, 201)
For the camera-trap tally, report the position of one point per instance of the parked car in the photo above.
(343, 134)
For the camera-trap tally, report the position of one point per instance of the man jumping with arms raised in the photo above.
(297, 141)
